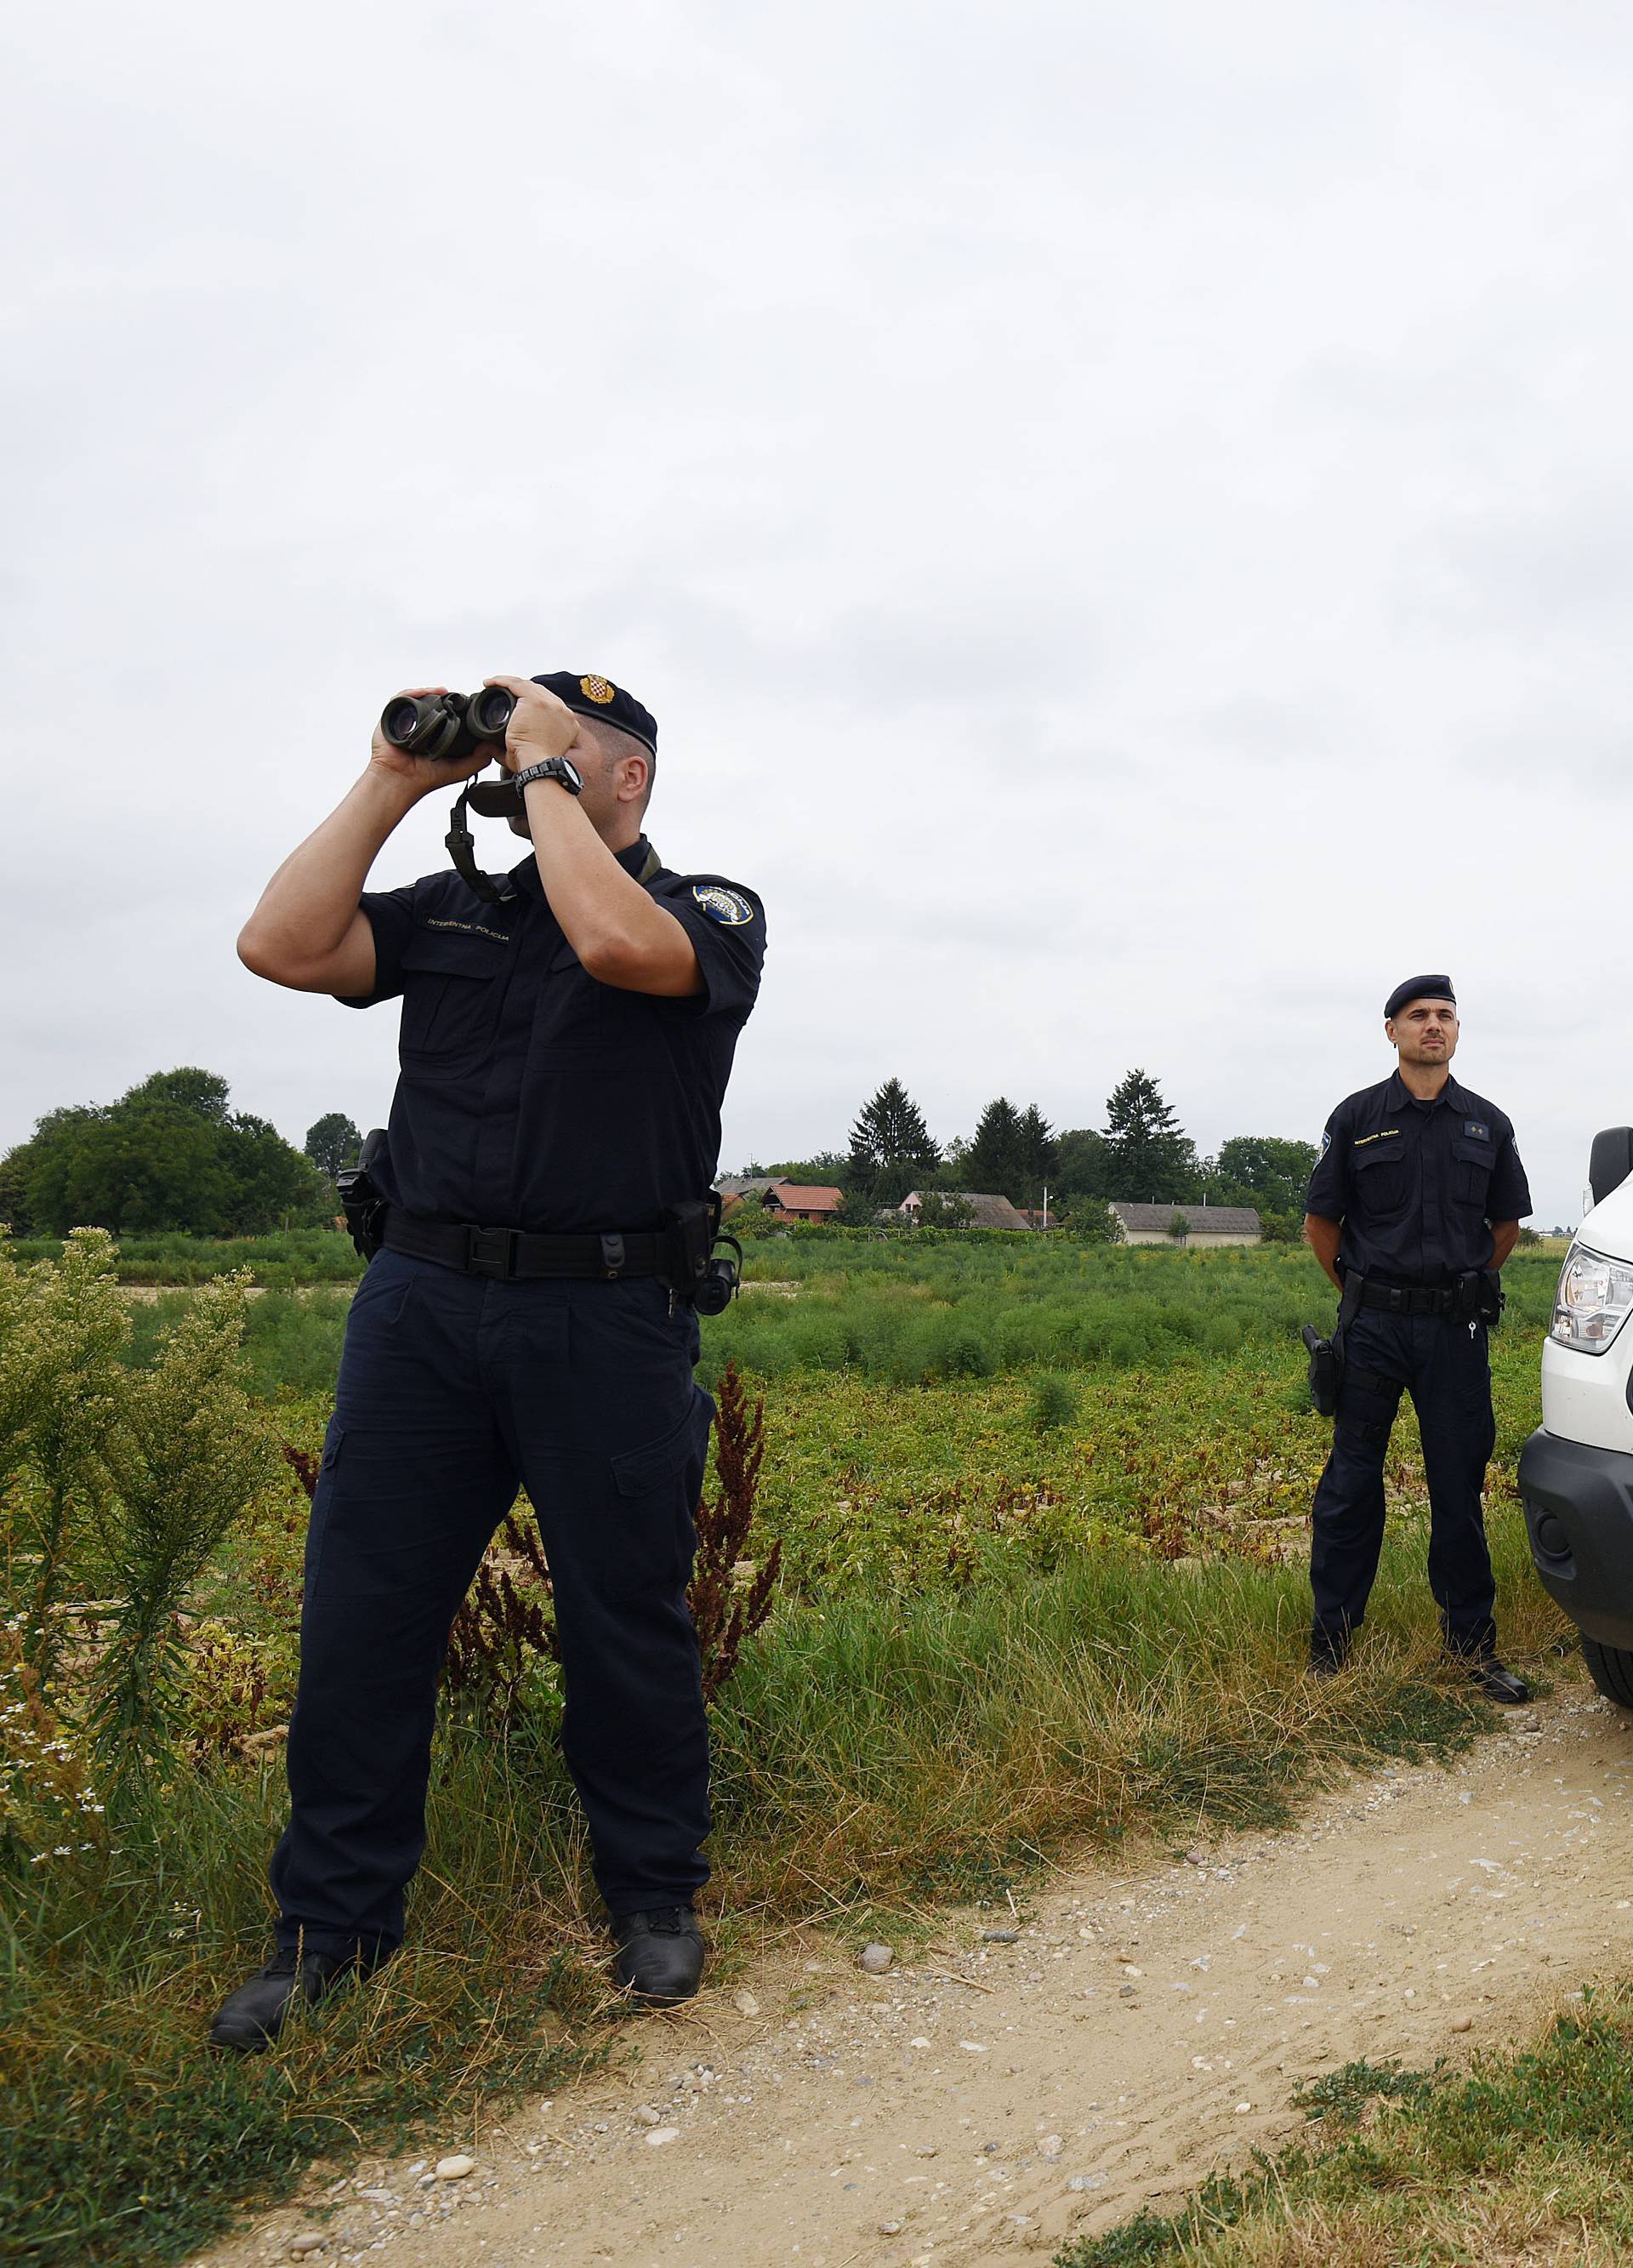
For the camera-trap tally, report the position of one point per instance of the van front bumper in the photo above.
(1578, 1506)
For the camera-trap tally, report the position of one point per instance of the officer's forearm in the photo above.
(1505, 1237)
(1322, 1236)
(307, 931)
(619, 934)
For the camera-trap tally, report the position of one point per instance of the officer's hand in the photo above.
(423, 773)
(541, 725)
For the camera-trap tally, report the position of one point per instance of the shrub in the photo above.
(184, 1458)
(1054, 1402)
(61, 1327)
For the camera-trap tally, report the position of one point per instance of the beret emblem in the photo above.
(596, 688)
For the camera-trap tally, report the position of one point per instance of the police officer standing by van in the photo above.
(567, 1035)
(1414, 1204)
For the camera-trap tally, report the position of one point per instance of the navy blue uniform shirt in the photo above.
(1416, 1184)
(533, 1097)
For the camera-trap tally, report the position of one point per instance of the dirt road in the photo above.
(1105, 2048)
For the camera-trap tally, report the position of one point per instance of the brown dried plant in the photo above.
(730, 1594)
(506, 1622)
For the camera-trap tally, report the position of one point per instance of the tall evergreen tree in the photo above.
(1153, 1160)
(888, 1140)
(995, 1160)
(1040, 1151)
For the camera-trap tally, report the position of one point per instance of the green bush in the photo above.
(1054, 1402)
(304, 1256)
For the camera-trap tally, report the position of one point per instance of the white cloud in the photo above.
(1120, 515)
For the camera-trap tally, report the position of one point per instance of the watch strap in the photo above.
(552, 767)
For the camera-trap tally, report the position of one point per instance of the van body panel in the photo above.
(1578, 1507)
(1609, 1228)
(1584, 1396)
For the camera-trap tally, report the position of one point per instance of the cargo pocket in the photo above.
(1368, 1402)
(655, 1491)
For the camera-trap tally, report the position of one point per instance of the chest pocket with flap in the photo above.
(451, 993)
(1472, 1174)
(1380, 1179)
(574, 1016)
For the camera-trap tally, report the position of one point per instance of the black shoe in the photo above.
(1498, 1684)
(251, 2019)
(660, 1955)
(1327, 1661)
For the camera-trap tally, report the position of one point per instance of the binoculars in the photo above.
(446, 727)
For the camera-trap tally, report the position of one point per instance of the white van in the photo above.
(1575, 1472)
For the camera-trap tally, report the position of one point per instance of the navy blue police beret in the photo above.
(1418, 987)
(598, 696)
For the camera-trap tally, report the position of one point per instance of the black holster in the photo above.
(689, 1231)
(1327, 1356)
(1323, 1372)
(1477, 1296)
(361, 1202)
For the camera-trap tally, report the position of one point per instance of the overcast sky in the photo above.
(1123, 513)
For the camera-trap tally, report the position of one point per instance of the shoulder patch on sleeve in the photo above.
(1327, 1141)
(723, 905)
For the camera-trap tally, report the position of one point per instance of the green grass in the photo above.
(298, 1256)
(1523, 2160)
(876, 1749)
(127, 2141)
(1050, 1594)
(291, 1338)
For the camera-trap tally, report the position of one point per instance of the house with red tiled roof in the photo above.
(781, 1198)
(802, 1201)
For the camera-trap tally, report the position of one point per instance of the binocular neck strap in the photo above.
(461, 846)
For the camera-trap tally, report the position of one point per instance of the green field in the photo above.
(1041, 1513)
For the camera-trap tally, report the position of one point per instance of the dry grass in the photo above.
(1521, 2161)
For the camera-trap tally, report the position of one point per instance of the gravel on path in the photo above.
(1027, 2077)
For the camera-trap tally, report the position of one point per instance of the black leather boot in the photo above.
(251, 2018)
(1497, 1682)
(660, 1955)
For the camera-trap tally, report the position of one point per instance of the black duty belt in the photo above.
(1408, 1298)
(516, 1256)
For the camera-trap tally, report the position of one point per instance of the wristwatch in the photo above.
(556, 767)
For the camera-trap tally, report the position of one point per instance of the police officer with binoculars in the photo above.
(541, 1226)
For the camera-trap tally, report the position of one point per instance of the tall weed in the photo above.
(186, 1456)
(62, 1328)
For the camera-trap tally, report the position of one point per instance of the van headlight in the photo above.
(1594, 1299)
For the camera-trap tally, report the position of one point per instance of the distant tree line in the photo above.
(1142, 1154)
(170, 1154)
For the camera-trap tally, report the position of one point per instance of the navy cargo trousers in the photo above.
(1446, 1367)
(453, 1388)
